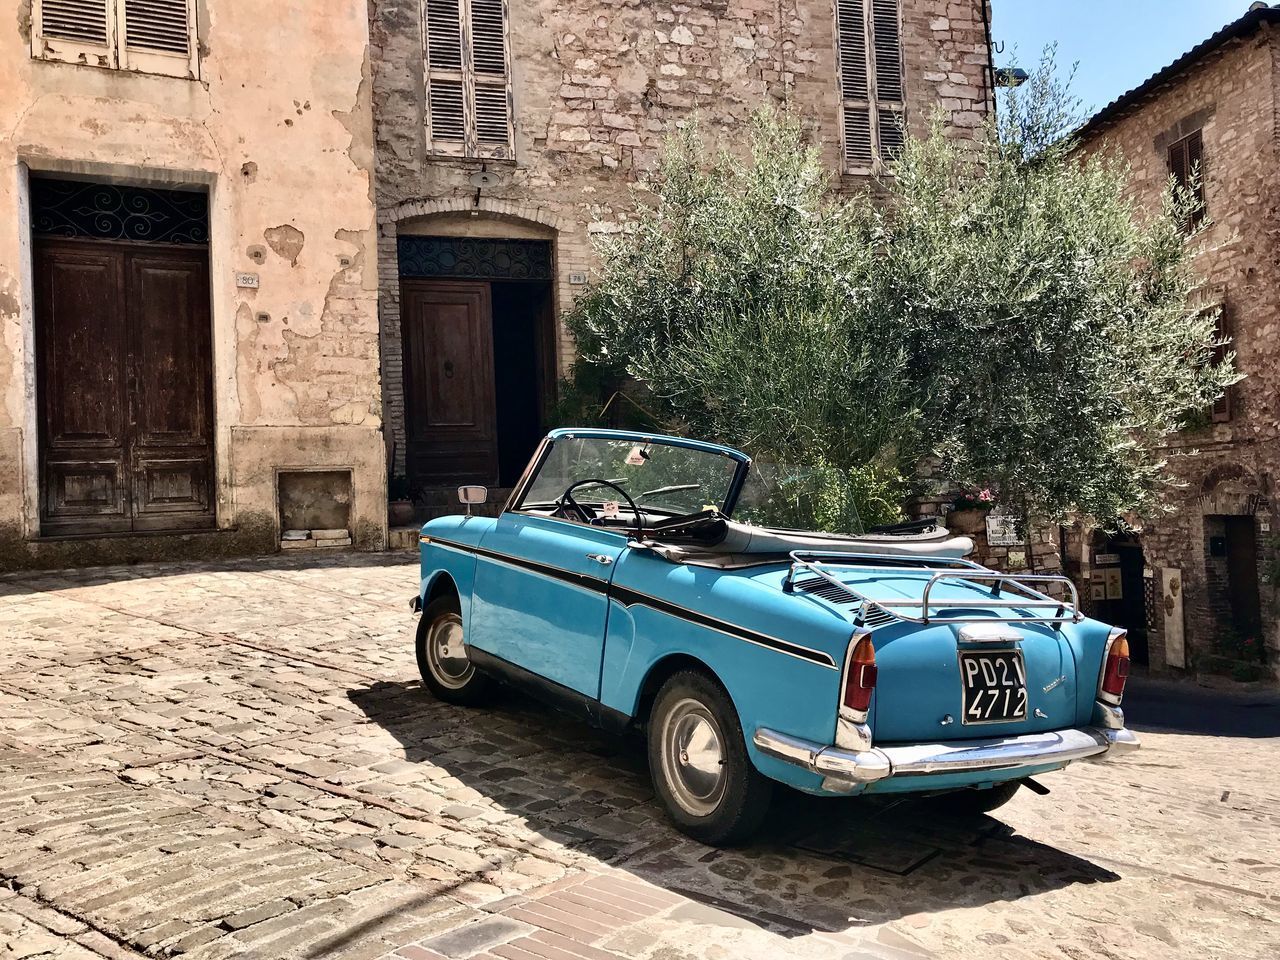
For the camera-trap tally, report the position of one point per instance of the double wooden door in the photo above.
(124, 377)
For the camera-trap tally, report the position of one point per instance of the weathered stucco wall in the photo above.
(597, 88)
(1227, 468)
(279, 129)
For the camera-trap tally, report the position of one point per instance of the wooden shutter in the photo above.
(852, 47)
(489, 56)
(75, 31)
(889, 126)
(869, 45)
(1186, 158)
(888, 50)
(1221, 411)
(150, 36)
(468, 92)
(158, 36)
(857, 136)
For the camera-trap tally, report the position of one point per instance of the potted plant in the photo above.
(399, 503)
(969, 510)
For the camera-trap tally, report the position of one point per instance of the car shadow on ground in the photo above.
(818, 864)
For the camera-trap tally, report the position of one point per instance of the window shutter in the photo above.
(158, 25)
(852, 26)
(491, 114)
(869, 45)
(1186, 158)
(1221, 411)
(889, 123)
(82, 20)
(857, 136)
(158, 36)
(444, 35)
(77, 31)
(488, 38)
(448, 122)
(888, 49)
(468, 98)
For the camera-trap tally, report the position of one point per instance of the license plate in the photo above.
(995, 686)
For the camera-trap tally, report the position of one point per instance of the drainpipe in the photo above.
(990, 79)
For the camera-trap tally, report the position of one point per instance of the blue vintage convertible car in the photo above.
(617, 583)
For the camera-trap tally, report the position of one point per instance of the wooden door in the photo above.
(84, 433)
(170, 376)
(125, 387)
(1242, 575)
(450, 418)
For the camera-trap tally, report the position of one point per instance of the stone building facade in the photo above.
(1200, 581)
(511, 136)
(188, 327)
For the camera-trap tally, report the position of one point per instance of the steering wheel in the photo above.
(571, 509)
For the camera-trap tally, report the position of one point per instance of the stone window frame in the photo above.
(873, 105)
(450, 85)
(96, 33)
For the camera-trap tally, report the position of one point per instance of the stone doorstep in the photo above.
(403, 538)
(314, 544)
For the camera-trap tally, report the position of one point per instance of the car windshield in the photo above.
(659, 477)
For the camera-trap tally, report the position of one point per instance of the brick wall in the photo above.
(598, 86)
(1227, 469)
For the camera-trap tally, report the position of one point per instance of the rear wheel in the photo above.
(446, 669)
(699, 763)
(974, 803)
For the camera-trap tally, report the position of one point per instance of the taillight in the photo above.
(860, 677)
(1116, 669)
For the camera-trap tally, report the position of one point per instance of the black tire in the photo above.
(463, 685)
(974, 803)
(693, 708)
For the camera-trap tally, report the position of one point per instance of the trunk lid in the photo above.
(955, 681)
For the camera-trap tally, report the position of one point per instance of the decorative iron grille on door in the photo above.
(468, 86)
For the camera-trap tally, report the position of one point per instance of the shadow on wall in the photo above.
(819, 865)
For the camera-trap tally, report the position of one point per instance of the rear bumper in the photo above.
(846, 770)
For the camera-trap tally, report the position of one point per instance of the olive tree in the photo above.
(1004, 306)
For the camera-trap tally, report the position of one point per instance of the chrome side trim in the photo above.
(630, 598)
(1057, 747)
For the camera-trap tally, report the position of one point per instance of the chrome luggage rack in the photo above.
(1021, 597)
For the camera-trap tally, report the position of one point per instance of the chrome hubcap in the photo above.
(446, 654)
(693, 757)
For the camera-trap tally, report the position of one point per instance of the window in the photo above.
(869, 44)
(1220, 412)
(1186, 166)
(147, 36)
(468, 92)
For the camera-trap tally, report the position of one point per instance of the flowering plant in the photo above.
(982, 499)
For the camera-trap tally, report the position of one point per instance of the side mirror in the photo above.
(472, 495)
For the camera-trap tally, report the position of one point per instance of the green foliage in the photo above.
(739, 301)
(1006, 307)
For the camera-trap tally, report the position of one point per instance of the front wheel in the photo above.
(446, 669)
(699, 763)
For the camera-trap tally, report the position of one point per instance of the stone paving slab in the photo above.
(237, 759)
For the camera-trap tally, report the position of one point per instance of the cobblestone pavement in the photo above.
(237, 759)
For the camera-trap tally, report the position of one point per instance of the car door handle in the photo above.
(600, 558)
